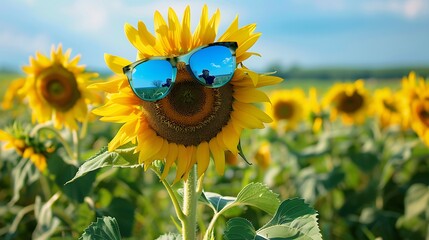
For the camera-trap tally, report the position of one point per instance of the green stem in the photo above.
(76, 142)
(170, 191)
(211, 226)
(19, 216)
(190, 196)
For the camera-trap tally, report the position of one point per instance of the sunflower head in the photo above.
(192, 123)
(11, 96)
(420, 111)
(263, 156)
(349, 101)
(390, 108)
(18, 138)
(288, 108)
(55, 88)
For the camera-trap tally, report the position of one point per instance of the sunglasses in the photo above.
(212, 65)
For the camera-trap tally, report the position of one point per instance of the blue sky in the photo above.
(310, 33)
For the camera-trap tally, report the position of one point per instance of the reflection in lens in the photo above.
(152, 80)
(213, 66)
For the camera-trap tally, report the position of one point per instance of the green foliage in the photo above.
(254, 194)
(46, 222)
(121, 157)
(239, 228)
(293, 220)
(105, 228)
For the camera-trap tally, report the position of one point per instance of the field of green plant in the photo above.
(366, 179)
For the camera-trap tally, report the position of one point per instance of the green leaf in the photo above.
(46, 222)
(62, 172)
(253, 194)
(416, 200)
(217, 201)
(294, 219)
(23, 175)
(123, 210)
(366, 161)
(170, 236)
(260, 196)
(121, 157)
(105, 228)
(102, 159)
(313, 185)
(238, 229)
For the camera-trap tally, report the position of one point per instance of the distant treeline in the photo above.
(347, 73)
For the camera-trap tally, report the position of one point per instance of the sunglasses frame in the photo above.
(128, 70)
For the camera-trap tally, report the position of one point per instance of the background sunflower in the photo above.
(348, 101)
(55, 89)
(288, 108)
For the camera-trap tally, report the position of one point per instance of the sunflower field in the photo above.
(258, 156)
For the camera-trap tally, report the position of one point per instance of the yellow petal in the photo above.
(173, 151)
(265, 80)
(183, 159)
(200, 29)
(218, 156)
(161, 30)
(252, 110)
(186, 36)
(246, 120)
(230, 138)
(250, 95)
(115, 63)
(28, 152)
(203, 158)
(246, 55)
(248, 43)
(211, 29)
(174, 29)
(133, 37)
(233, 27)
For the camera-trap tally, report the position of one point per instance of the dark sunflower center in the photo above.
(191, 113)
(350, 103)
(187, 98)
(389, 105)
(283, 110)
(58, 86)
(424, 117)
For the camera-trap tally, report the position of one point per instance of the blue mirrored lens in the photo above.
(153, 79)
(213, 66)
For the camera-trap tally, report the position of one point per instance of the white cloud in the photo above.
(214, 65)
(226, 60)
(407, 8)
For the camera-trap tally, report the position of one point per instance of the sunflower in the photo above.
(28, 147)
(411, 84)
(390, 108)
(349, 101)
(185, 131)
(263, 156)
(11, 95)
(56, 90)
(420, 111)
(288, 108)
